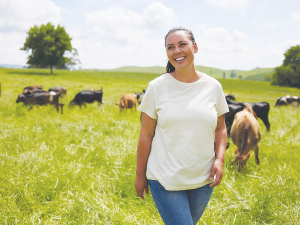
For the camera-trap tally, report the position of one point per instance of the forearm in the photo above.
(143, 151)
(220, 143)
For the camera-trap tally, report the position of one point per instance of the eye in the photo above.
(182, 44)
(170, 47)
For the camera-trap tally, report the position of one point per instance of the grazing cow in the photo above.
(229, 96)
(140, 96)
(61, 90)
(87, 96)
(288, 100)
(33, 89)
(128, 101)
(261, 109)
(245, 134)
(40, 98)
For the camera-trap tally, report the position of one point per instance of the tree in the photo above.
(48, 46)
(288, 74)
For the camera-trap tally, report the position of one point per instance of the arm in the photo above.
(220, 147)
(143, 151)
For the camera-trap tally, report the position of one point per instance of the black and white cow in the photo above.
(87, 96)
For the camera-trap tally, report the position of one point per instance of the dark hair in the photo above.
(170, 68)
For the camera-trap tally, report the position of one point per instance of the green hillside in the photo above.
(255, 74)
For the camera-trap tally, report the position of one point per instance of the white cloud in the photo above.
(16, 18)
(269, 24)
(238, 6)
(20, 15)
(263, 22)
(221, 48)
(123, 25)
(157, 15)
(262, 8)
(118, 36)
(296, 16)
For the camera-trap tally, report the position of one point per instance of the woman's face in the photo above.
(180, 49)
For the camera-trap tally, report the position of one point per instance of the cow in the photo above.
(61, 90)
(40, 98)
(288, 100)
(245, 134)
(128, 101)
(87, 96)
(229, 96)
(140, 96)
(32, 89)
(261, 109)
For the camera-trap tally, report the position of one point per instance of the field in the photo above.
(257, 74)
(79, 167)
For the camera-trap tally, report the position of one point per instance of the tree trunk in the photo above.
(51, 67)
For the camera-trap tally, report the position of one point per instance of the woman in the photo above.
(183, 135)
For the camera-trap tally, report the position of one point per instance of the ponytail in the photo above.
(170, 68)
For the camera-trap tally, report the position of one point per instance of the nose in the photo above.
(177, 50)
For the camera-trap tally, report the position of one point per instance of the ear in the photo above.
(195, 48)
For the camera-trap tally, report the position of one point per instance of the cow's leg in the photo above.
(256, 148)
(56, 106)
(265, 120)
(84, 104)
(61, 107)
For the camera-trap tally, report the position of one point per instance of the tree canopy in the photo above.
(48, 46)
(288, 74)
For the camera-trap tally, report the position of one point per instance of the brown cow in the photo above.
(33, 89)
(41, 98)
(61, 90)
(245, 133)
(128, 101)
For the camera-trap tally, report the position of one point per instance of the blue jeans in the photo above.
(180, 207)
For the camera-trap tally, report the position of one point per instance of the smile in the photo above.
(179, 59)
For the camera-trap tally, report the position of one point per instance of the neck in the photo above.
(187, 75)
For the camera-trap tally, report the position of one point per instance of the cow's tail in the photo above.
(245, 138)
(52, 93)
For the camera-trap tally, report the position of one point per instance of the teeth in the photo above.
(179, 59)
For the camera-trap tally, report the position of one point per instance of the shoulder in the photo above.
(211, 81)
(157, 82)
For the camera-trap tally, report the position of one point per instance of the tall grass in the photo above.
(79, 167)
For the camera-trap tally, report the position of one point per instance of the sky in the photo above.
(231, 34)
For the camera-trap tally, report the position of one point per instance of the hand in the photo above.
(217, 169)
(141, 184)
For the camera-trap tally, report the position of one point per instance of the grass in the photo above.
(79, 167)
(255, 74)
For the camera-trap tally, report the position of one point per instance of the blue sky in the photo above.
(231, 34)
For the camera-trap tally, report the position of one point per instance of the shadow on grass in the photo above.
(31, 73)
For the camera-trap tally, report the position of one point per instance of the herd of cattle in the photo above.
(243, 127)
(241, 120)
(35, 95)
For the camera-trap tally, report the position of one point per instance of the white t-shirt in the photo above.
(182, 151)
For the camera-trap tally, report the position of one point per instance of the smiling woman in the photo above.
(183, 136)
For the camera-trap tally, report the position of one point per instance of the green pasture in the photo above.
(79, 167)
(258, 74)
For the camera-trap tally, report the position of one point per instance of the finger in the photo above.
(147, 190)
(212, 173)
(140, 194)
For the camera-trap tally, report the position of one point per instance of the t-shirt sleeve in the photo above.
(221, 105)
(148, 103)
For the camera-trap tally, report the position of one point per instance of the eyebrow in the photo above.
(178, 42)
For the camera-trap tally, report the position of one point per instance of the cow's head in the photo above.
(21, 98)
(240, 161)
(121, 105)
